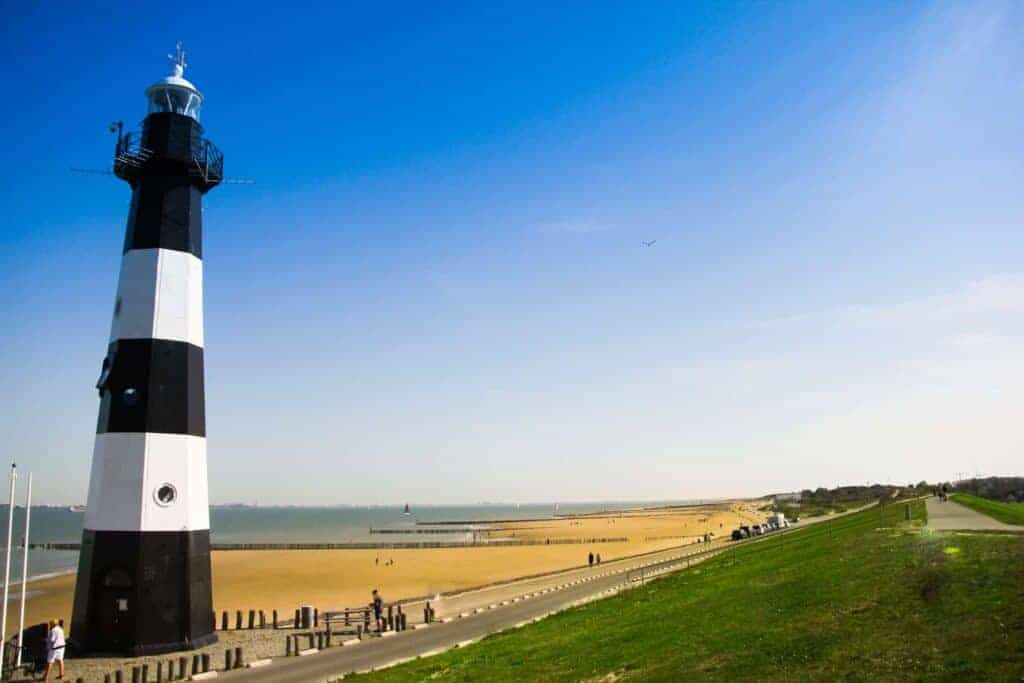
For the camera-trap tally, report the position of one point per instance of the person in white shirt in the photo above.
(54, 650)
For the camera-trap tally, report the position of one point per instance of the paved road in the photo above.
(948, 516)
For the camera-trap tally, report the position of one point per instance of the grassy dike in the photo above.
(1010, 513)
(864, 597)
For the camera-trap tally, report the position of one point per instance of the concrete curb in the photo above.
(204, 676)
(258, 663)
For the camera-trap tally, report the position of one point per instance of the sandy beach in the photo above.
(331, 579)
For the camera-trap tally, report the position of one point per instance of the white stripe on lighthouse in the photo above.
(159, 296)
(127, 471)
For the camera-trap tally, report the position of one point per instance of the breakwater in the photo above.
(418, 530)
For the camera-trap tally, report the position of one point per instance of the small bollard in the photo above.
(287, 646)
(426, 615)
(159, 672)
(224, 621)
(79, 680)
(118, 677)
(316, 617)
(136, 675)
(263, 620)
(182, 665)
(238, 620)
(328, 636)
(906, 512)
(252, 619)
(298, 618)
(206, 662)
(106, 678)
(405, 621)
(346, 616)
(319, 640)
(238, 658)
(359, 631)
(145, 673)
(227, 660)
(275, 620)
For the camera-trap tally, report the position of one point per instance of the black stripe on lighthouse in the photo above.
(167, 213)
(153, 385)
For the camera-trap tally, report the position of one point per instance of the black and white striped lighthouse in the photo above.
(144, 572)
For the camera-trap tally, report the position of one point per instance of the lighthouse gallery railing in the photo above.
(130, 157)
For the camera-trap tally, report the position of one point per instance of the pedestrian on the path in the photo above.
(54, 650)
(599, 558)
(591, 559)
(378, 608)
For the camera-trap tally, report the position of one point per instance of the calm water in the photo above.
(298, 524)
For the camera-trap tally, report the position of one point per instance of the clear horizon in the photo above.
(438, 288)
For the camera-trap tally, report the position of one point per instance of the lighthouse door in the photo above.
(115, 609)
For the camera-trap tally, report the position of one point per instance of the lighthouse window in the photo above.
(130, 396)
(166, 494)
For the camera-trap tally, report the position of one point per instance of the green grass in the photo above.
(1011, 513)
(863, 597)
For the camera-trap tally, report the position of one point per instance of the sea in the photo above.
(338, 524)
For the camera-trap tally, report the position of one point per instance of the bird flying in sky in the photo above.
(650, 244)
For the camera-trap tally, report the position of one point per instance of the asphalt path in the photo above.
(950, 516)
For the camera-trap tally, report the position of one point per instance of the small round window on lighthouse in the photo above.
(166, 494)
(130, 396)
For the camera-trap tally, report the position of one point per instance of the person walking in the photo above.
(378, 609)
(54, 650)
(590, 559)
(599, 558)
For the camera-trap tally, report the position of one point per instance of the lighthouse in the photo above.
(143, 583)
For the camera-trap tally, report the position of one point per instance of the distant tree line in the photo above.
(1009, 489)
(849, 494)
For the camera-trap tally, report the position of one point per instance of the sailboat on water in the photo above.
(406, 510)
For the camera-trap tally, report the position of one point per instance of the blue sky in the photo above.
(436, 290)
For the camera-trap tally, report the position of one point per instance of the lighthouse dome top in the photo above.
(174, 93)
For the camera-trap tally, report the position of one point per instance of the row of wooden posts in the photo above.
(395, 620)
(258, 618)
(177, 669)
